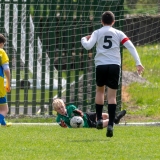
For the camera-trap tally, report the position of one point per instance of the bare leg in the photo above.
(100, 95)
(4, 109)
(3, 113)
(99, 100)
(105, 116)
(105, 123)
(111, 96)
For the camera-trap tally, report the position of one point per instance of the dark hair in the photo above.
(2, 38)
(108, 17)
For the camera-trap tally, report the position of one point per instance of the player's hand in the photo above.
(140, 69)
(8, 88)
(79, 112)
(88, 37)
(63, 124)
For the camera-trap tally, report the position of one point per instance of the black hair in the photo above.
(108, 17)
(2, 38)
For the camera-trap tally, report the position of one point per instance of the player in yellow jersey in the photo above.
(4, 71)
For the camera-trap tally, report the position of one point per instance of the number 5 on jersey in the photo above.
(107, 40)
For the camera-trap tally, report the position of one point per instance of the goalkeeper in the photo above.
(4, 70)
(107, 63)
(65, 113)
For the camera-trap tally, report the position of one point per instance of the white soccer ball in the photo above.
(77, 122)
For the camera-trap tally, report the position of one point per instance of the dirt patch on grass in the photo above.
(128, 78)
(125, 94)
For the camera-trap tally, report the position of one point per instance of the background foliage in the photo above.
(142, 6)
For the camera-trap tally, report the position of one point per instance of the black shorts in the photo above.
(91, 117)
(108, 75)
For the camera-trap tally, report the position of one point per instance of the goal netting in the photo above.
(47, 59)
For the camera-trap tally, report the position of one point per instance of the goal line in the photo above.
(120, 124)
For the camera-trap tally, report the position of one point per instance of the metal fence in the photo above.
(43, 40)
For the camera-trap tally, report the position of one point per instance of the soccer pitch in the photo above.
(39, 142)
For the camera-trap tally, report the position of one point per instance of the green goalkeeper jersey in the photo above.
(69, 114)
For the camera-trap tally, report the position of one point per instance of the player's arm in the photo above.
(78, 112)
(61, 122)
(89, 41)
(129, 45)
(7, 74)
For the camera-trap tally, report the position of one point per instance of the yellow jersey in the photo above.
(3, 59)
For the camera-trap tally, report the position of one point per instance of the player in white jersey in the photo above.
(108, 62)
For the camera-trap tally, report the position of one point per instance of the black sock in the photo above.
(111, 112)
(99, 108)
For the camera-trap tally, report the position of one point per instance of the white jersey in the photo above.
(107, 40)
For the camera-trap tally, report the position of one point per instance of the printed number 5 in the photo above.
(108, 41)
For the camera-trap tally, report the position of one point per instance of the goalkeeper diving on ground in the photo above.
(65, 114)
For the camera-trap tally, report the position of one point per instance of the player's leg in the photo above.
(112, 104)
(3, 110)
(99, 100)
(105, 123)
(92, 119)
(105, 120)
(100, 89)
(105, 116)
(116, 119)
(119, 116)
(112, 83)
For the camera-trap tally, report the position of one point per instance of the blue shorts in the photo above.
(3, 100)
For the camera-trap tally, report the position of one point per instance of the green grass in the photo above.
(141, 7)
(55, 143)
(145, 96)
(31, 119)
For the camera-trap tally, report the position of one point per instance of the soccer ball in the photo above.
(77, 122)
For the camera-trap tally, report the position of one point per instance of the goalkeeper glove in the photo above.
(63, 124)
(78, 112)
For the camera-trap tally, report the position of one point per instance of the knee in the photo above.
(4, 110)
(100, 89)
(105, 116)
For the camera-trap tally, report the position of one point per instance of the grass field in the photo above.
(56, 143)
(144, 97)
